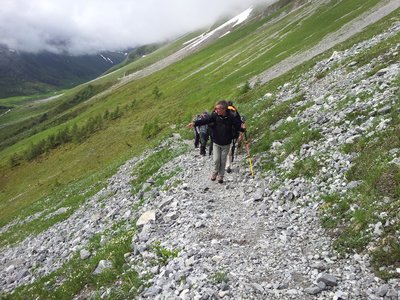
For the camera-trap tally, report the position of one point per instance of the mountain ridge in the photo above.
(23, 73)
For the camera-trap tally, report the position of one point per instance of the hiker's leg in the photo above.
(196, 138)
(202, 150)
(229, 159)
(217, 150)
(203, 143)
(223, 156)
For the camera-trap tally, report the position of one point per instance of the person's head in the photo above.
(221, 107)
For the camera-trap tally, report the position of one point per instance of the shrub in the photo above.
(151, 129)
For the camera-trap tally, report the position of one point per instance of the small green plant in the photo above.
(321, 74)
(334, 210)
(386, 258)
(245, 88)
(151, 129)
(307, 167)
(163, 254)
(157, 93)
(220, 277)
(267, 163)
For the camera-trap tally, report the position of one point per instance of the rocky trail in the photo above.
(241, 240)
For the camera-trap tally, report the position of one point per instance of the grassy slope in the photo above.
(187, 86)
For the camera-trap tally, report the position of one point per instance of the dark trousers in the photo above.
(203, 143)
(196, 139)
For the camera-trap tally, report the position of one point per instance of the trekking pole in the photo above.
(248, 154)
(233, 149)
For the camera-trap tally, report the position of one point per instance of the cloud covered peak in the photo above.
(82, 27)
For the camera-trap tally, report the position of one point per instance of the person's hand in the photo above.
(190, 125)
(244, 125)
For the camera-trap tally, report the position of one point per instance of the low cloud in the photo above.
(82, 27)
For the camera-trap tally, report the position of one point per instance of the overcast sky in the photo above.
(87, 26)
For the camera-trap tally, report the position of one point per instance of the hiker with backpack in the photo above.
(203, 133)
(225, 124)
(196, 133)
(236, 134)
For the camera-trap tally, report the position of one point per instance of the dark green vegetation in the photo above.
(51, 149)
(24, 73)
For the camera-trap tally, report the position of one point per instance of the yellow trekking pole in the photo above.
(248, 154)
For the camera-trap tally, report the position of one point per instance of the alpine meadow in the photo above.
(104, 196)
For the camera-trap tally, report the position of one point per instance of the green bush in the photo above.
(151, 129)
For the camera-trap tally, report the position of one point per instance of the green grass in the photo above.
(70, 195)
(77, 275)
(386, 257)
(151, 165)
(307, 168)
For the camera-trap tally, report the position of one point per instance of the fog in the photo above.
(89, 26)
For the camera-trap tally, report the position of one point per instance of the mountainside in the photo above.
(103, 195)
(24, 73)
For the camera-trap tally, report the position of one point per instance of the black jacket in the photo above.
(223, 128)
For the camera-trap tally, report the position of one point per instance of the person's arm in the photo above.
(238, 124)
(199, 122)
(243, 127)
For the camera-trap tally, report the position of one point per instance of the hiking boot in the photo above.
(220, 179)
(202, 150)
(214, 176)
(228, 170)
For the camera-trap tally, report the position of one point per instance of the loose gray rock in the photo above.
(103, 265)
(329, 280)
(84, 254)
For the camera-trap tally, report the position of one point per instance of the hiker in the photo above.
(210, 134)
(202, 131)
(196, 134)
(224, 126)
(236, 135)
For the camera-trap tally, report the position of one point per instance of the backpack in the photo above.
(232, 110)
(203, 128)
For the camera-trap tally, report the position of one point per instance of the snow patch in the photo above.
(106, 58)
(226, 33)
(233, 22)
(5, 112)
